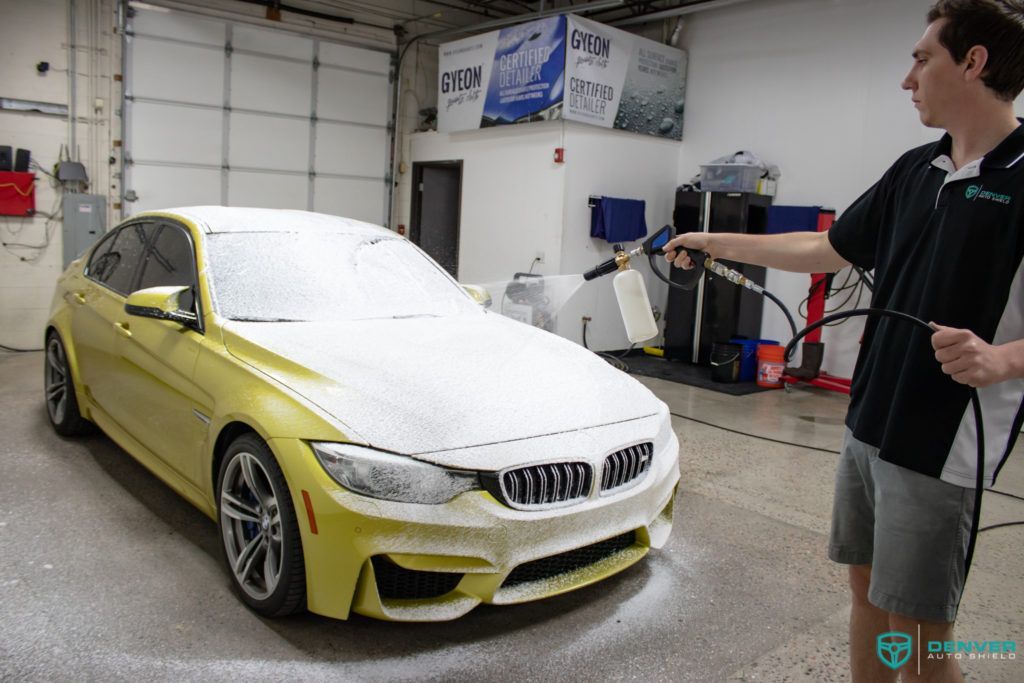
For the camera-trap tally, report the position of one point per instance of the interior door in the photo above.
(436, 211)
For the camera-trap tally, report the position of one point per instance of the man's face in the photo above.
(935, 81)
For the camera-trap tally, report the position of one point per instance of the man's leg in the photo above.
(866, 623)
(945, 670)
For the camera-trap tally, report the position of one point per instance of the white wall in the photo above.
(517, 202)
(511, 196)
(617, 164)
(33, 32)
(813, 87)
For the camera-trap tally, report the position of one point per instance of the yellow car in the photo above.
(367, 436)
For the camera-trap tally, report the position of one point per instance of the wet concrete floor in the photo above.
(106, 574)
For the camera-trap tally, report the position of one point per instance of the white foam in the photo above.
(425, 385)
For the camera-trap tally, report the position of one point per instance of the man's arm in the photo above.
(800, 252)
(970, 360)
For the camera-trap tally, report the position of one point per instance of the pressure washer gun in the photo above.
(630, 290)
(632, 294)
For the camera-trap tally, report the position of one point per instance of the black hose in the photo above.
(785, 311)
(880, 312)
(699, 273)
(975, 401)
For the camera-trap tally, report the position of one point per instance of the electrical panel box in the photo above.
(85, 221)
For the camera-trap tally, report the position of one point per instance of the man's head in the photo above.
(971, 49)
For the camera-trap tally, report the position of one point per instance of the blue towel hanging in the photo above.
(617, 220)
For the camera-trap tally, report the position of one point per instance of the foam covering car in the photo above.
(366, 434)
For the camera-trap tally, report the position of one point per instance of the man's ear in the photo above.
(975, 62)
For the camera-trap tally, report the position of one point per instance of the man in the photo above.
(944, 232)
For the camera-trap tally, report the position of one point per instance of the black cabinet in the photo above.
(722, 309)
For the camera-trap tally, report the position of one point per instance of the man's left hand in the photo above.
(967, 358)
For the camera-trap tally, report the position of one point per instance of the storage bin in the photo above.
(729, 177)
(748, 356)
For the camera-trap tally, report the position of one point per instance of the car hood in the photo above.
(425, 385)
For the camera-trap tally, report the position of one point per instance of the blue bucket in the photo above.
(748, 357)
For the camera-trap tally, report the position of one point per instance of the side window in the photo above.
(116, 266)
(171, 261)
(98, 260)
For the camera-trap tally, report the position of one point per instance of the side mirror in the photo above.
(479, 294)
(160, 303)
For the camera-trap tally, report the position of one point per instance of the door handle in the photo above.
(78, 297)
(123, 329)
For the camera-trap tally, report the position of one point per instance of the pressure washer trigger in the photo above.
(698, 257)
(688, 279)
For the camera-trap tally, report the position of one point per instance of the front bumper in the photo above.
(371, 555)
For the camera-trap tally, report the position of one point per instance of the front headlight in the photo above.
(665, 431)
(391, 477)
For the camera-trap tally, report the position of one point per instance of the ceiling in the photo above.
(413, 17)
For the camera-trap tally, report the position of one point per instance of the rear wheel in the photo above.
(259, 532)
(61, 402)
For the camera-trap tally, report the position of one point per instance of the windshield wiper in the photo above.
(247, 319)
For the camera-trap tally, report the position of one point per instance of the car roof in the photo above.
(220, 219)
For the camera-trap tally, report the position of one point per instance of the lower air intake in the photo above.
(397, 583)
(547, 567)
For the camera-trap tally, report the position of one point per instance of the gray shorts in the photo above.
(911, 528)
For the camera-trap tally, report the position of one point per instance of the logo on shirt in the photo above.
(975, 192)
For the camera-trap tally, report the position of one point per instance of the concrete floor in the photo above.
(106, 574)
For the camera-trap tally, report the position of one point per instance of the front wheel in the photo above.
(259, 533)
(59, 387)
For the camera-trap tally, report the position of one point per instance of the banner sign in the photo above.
(562, 67)
(508, 76)
(618, 79)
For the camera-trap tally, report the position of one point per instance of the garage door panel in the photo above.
(267, 190)
(351, 198)
(350, 96)
(179, 26)
(351, 150)
(272, 43)
(167, 187)
(170, 71)
(268, 84)
(355, 58)
(175, 133)
(268, 142)
(178, 133)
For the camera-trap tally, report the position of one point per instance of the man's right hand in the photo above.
(674, 253)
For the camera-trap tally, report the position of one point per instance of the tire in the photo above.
(259, 533)
(59, 391)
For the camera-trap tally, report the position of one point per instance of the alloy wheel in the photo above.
(56, 380)
(250, 521)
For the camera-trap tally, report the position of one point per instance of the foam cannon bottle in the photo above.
(631, 293)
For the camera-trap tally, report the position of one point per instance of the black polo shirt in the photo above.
(945, 248)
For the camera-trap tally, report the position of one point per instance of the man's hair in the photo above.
(997, 25)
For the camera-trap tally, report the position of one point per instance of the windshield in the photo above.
(278, 276)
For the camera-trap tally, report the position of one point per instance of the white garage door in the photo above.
(225, 113)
